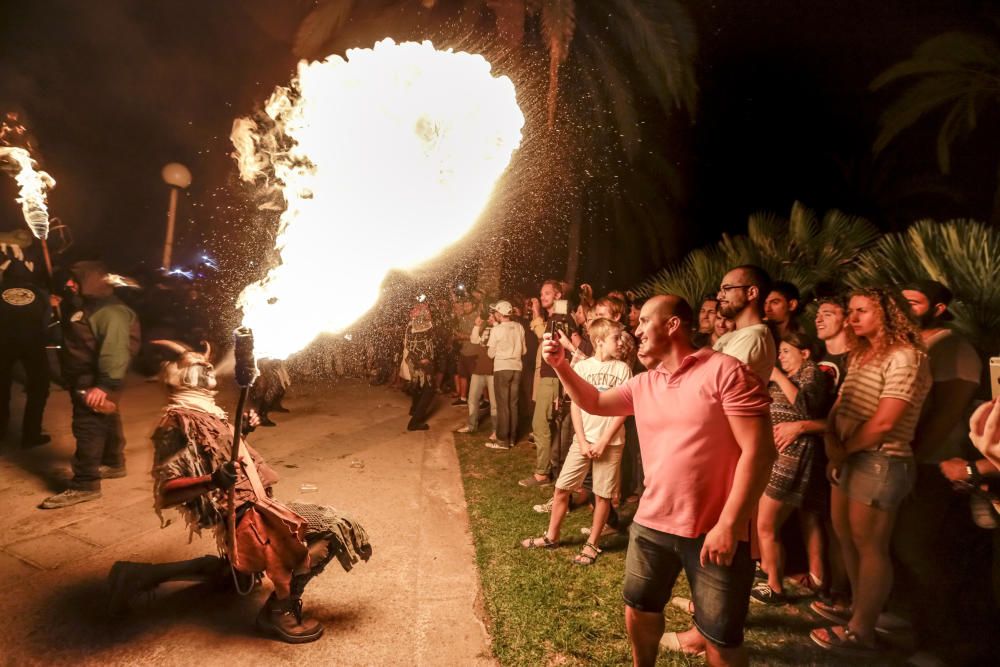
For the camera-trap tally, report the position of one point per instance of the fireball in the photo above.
(383, 159)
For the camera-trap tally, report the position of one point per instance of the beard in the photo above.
(929, 321)
(729, 311)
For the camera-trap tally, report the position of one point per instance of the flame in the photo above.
(33, 185)
(383, 160)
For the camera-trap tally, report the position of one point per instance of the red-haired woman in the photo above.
(871, 464)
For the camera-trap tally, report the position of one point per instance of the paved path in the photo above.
(416, 602)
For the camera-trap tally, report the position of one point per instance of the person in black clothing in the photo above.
(25, 313)
(100, 337)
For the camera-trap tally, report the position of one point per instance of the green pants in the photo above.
(541, 423)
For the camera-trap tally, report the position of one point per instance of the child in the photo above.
(597, 445)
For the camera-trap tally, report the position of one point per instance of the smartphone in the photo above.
(995, 376)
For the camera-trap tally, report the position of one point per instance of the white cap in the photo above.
(503, 307)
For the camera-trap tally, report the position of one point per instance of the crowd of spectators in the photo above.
(876, 504)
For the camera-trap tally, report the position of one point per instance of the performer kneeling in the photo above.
(290, 543)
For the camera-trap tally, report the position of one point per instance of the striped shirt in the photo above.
(904, 374)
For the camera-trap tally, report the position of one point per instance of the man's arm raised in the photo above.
(611, 403)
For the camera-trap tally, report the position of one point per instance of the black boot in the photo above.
(127, 580)
(283, 619)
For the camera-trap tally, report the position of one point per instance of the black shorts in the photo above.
(721, 594)
(466, 365)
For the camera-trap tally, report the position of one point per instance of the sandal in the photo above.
(684, 604)
(841, 639)
(832, 612)
(584, 558)
(672, 643)
(542, 542)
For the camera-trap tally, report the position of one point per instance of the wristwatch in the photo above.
(973, 472)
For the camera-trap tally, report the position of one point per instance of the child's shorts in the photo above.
(606, 470)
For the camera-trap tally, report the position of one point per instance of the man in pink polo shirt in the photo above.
(707, 449)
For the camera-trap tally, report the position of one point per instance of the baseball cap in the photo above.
(503, 307)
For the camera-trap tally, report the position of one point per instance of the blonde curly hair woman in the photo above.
(871, 467)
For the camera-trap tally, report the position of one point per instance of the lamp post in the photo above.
(177, 177)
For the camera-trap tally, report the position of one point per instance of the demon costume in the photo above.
(419, 346)
(192, 471)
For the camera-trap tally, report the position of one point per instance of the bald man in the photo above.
(707, 449)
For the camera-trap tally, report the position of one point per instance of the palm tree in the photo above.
(955, 75)
(963, 255)
(803, 250)
(618, 54)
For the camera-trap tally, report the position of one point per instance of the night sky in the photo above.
(112, 90)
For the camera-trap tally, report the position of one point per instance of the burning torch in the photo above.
(246, 373)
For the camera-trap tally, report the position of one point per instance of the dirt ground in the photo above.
(416, 602)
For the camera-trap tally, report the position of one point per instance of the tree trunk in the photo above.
(573, 242)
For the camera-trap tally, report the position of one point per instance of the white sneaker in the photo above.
(544, 508)
(605, 532)
(464, 429)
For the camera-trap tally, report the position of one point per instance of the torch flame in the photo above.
(383, 160)
(33, 185)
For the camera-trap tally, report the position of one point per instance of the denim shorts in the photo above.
(721, 594)
(876, 479)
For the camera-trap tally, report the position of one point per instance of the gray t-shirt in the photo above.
(951, 358)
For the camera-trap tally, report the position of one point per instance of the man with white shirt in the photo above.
(741, 299)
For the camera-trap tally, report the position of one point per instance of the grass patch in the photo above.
(543, 610)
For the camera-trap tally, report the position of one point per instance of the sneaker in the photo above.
(459, 401)
(764, 594)
(36, 441)
(607, 531)
(493, 444)
(464, 429)
(759, 573)
(107, 472)
(546, 507)
(69, 497)
(533, 482)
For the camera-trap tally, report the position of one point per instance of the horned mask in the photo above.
(190, 370)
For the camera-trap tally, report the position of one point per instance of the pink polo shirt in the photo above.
(689, 453)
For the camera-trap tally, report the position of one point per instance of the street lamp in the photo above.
(177, 177)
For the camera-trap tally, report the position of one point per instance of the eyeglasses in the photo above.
(726, 288)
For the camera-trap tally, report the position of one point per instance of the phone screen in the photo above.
(560, 307)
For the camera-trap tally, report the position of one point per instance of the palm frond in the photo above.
(802, 250)
(963, 255)
(662, 39)
(694, 277)
(319, 25)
